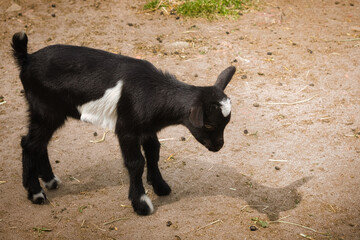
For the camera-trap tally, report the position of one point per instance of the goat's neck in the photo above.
(178, 101)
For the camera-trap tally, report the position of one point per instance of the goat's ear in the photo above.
(225, 77)
(196, 117)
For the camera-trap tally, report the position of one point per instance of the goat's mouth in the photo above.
(212, 147)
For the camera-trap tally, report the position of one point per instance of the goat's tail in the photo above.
(19, 45)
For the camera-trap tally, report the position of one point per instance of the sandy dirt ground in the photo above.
(291, 153)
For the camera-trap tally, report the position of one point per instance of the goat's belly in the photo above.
(102, 112)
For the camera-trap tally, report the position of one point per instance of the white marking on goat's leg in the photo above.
(38, 195)
(145, 198)
(102, 111)
(225, 106)
(49, 184)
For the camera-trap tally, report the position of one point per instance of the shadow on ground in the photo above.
(264, 199)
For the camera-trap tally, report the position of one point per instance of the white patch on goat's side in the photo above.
(145, 198)
(225, 106)
(50, 183)
(38, 195)
(102, 111)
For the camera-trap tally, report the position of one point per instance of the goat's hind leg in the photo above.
(151, 146)
(50, 180)
(35, 158)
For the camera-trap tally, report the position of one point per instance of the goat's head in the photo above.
(211, 112)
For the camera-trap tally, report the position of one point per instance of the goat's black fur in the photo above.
(59, 78)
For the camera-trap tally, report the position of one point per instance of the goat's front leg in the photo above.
(151, 147)
(135, 162)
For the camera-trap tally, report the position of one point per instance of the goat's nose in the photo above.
(220, 142)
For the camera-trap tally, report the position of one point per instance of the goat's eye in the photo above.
(208, 126)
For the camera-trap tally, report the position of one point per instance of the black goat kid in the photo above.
(127, 95)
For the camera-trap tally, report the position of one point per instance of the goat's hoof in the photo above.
(162, 189)
(38, 198)
(53, 183)
(143, 206)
